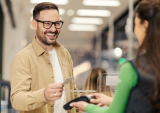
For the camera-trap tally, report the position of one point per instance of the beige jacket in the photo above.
(31, 72)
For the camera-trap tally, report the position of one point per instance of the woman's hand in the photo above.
(80, 105)
(101, 98)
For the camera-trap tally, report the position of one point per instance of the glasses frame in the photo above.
(51, 24)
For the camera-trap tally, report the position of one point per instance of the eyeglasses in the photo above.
(48, 24)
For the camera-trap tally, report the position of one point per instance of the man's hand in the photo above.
(53, 91)
(81, 105)
(101, 98)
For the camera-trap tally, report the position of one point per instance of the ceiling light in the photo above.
(89, 12)
(57, 2)
(61, 11)
(70, 12)
(76, 27)
(118, 52)
(81, 20)
(113, 3)
(81, 68)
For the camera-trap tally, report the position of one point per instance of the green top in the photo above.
(128, 79)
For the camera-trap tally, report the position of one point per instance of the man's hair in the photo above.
(43, 6)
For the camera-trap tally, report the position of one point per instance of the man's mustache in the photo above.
(56, 32)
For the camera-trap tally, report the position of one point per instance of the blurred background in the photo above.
(95, 32)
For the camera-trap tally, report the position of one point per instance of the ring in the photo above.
(55, 94)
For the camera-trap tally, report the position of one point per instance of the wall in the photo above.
(12, 37)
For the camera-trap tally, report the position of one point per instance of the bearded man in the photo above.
(38, 71)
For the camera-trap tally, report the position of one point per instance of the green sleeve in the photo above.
(127, 80)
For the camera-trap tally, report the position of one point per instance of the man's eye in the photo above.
(48, 23)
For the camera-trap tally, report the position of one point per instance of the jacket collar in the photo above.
(39, 50)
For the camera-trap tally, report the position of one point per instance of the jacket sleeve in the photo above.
(21, 97)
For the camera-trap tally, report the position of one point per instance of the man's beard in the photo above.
(41, 36)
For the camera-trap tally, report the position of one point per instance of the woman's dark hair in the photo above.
(43, 6)
(149, 10)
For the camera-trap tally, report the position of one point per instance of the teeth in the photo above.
(51, 34)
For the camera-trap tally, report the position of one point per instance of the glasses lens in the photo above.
(47, 24)
(58, 24)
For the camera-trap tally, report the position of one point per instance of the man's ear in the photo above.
(34, 24)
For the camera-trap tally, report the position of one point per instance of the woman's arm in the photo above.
(127, 80)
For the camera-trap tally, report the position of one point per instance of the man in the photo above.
(38, 71)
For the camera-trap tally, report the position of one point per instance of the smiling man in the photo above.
(38, 71)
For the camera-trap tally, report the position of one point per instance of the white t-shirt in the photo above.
(58, 75)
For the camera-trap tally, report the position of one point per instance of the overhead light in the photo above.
(81, 68)
(57, 2)
(81, 20)
(118, 52)
(70, 12)
(61, 11)
(113, 3)
(76, 27)
(90, 12)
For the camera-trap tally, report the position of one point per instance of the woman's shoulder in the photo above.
(128, 73)
(127, 66)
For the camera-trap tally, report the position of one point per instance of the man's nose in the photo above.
(53, 28)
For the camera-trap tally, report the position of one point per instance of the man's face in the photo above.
(47, 36)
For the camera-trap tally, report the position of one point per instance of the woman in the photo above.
(138, 90)
(92, 81)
